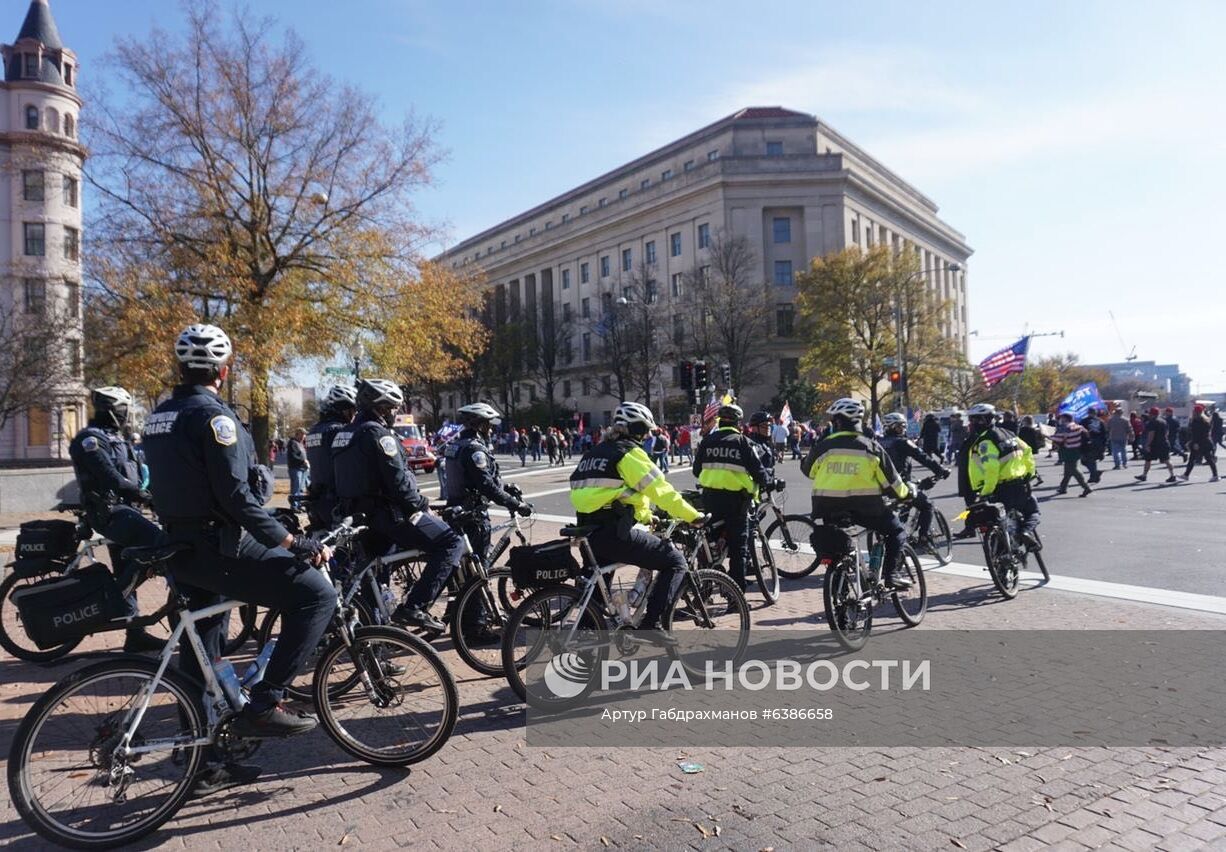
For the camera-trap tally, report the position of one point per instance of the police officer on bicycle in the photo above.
(763, 443)
(730, 472)
(851, 473)
(999, 467)
(614, 487)
(335, 414)
(473, 480)
(109, 479)
(902, 451)
(372, 477)
(202, 467)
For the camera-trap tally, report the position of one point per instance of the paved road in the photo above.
(1145, 534)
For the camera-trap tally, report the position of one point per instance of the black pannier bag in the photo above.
(830, 541)
(982, 515)
(44, 547)
(540, 564)
(63, 609)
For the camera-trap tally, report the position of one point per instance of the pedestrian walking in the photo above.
(296, 461)
(1173, 441)
(1215, 426)
(957, 434)
(1138, 436)
(930, 435)
(1093, 450)
(1119, 435)
(1071, 439)
(660, 450)
(522, 446)
(1157, 446)
(1200, 443)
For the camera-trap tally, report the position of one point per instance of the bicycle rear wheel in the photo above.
(479, 620)
(1001, 565)
(790, 542)
(1038, 558)
(406, 707)
(710, 618)
(63, 775)
(912, 603)
(850, 618)
(13, 636)
(764, 567)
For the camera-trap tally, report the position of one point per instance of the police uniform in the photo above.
(321, 493)
(902, 451)
(473, 482)
(999, 466)
(730, 472)
(614, 486)
(372, 477)
(201, 467)
(109, 479)
(851, 473)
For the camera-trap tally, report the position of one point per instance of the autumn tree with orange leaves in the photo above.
(239, 185)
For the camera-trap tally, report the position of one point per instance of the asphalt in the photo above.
(1153, 535)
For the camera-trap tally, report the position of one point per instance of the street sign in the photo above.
(338, 371)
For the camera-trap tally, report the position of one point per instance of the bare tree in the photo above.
(550, 351)
(734, 310)
(37, 358)
(634, 343)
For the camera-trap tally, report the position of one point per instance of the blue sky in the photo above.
(1079, 146)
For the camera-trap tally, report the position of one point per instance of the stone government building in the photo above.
(785, 180)
(40, 219)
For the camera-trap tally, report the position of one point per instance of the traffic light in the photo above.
(687, 375)
(896, 380)
(697, 396)
(725, 372)
(701, 376)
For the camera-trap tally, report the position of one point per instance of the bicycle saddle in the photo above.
(153, 554)
(842, 521)
(69, 507)
(578, 531)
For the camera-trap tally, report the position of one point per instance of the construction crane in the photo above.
(1129, 354)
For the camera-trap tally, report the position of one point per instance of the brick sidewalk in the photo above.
(485, 789)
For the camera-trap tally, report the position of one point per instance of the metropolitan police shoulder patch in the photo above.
(480, 460)
(89, 444)
(388, 445)
(224, 430)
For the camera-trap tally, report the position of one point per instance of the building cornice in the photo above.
(35, 85)
(47, 140)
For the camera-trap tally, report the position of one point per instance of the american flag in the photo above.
(1000, 364)
(711, 410)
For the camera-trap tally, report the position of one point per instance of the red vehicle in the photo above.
(420, 456)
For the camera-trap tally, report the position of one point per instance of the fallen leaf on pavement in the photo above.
(956, 842)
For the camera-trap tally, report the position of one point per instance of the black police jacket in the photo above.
(106, 469)
(472, 476)
(902, 450)
(319, 454)
(200, 462)
(368, 465)
(766, 454)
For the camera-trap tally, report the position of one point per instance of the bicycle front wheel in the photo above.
(407, 704)
(912, 603)
(552, 649)
(764, 567)
(478, 622)
(710, 618)
(942, 539)
(13, 636)
(1001, 565)
(794, 555)
(64, 775)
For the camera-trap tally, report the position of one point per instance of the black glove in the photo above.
(144, 498)
(305, 547)
(523, 509)
(514, 491)
(780, 485)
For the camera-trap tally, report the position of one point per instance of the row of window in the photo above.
(34, 187)
(35, 241)
(31, 70)
(34, 291)
(627, 258)
(35, 121)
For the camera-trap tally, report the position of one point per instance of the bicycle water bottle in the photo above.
(389, 598)
(640, 587)
(255, 671)
(619, 603)
(224, 670)
(874, 558)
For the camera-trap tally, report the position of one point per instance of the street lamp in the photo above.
(622, 302)
(357, 352)
(903, 381)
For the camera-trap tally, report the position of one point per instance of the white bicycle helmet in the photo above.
(111, 396)
(372, 392)
(202, 346)
(981, 409)
(633, 414)
(341, 396)
(479, 411)
(894, 418)
(731, 411)
(852, 409)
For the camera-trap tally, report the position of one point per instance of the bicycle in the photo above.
(761, 552)
(1004, 552)
(128, 734)
(12, 631)
(789, 537)
(939, 543)
(546, 625)
(853, 590)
